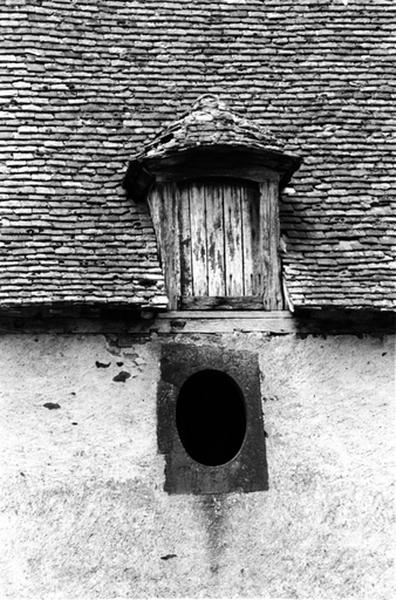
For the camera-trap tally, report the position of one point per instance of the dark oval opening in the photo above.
(211, 417)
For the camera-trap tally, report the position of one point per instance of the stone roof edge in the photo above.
(159, 305)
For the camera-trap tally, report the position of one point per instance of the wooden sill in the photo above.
(216, 321)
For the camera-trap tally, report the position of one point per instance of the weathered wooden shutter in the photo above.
(218, 242)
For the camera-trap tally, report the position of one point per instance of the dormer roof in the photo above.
(209, 132)
(210, 122)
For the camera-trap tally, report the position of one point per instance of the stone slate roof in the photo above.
(85, 84)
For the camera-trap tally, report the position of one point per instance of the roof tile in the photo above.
(85, 85)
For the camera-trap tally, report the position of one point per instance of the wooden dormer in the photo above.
(212, 182)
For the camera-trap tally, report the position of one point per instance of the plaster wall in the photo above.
(84, 514)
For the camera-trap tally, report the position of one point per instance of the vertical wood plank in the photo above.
(215, 240)
(198, 241)
(156, 208)
(186, 282)
(252, 267)
(164, 201)
(172, 235)
(278, 303)
(269, 234)
(233, 240)
(155, 205)
(265, 242)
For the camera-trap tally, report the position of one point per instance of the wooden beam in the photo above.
(207, 322)
(126, 326)
(221, 303)
(225, 314)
